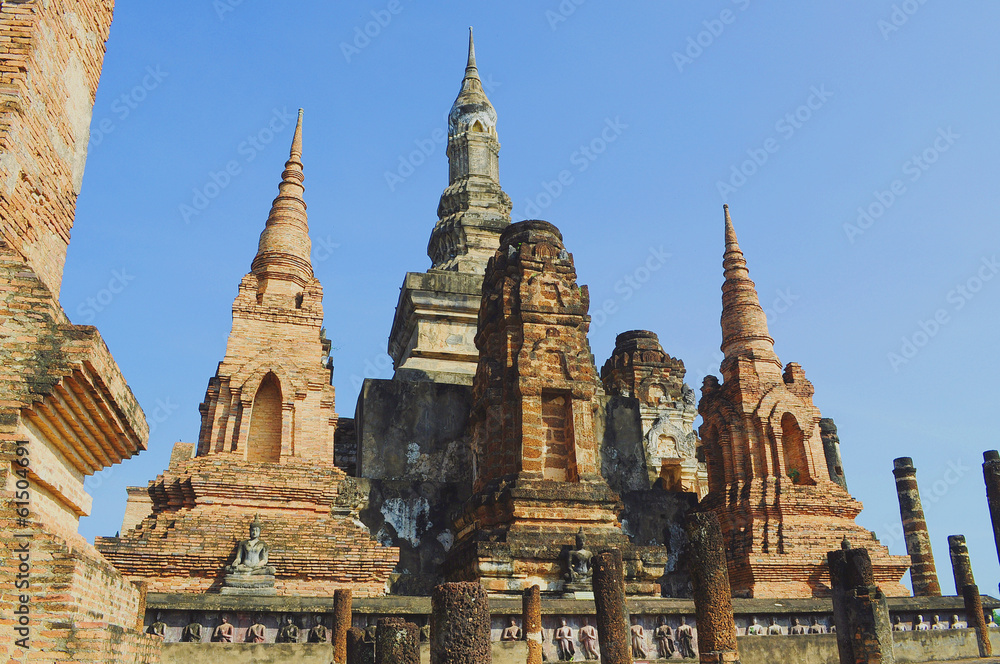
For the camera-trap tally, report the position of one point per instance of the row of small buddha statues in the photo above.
(921, 625)
(225, 631)
(669, 642)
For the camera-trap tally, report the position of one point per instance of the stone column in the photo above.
(460, 624)
(531, 616)
(975, 617)
(961, 566)
(341, 623)
(991, 473)
(713, 601)
(860, 608)
(359, 652)
(612, 613)
(923, 573)
(396, 642)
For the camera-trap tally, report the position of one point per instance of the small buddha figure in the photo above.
(158, 628)
(251, 554)
(815, 627)
(992, 623)
(957, 624)
(512, 633)
(578, 561)
(256, 631)
(192, 631)
(318, 632)
(638, 641)
(224, 632)
(685, 638)
(773, 628)
(664, 637)
(425, 633)
(919, 625)
(898, 625)
(563, 638)
(937, 624)
(755, 628)
(588, 641)
(370, 631)
(288, 632)
(796, 629)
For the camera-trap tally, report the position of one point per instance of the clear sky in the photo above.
(652, 114)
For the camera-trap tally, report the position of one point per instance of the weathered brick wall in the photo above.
(51, 55)
(202, 508)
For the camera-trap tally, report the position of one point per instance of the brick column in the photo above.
(396, 642)
(612, 613)
(359, 652)
(923, 573)
(713, 601)
(342, 598)
(961, 566)
(860, 609)
(531, 615)
(991, 474)
(976, 619)
(460, 624)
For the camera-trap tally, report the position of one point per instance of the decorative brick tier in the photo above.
(203, 507)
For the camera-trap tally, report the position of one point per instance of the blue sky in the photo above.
(800, 116)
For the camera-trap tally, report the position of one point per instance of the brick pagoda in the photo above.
(537, 476)
(266, 447)
(769, 483)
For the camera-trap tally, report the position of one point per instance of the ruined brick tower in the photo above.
(266, 444)
(433, 332)
(537, 478)
(66, 410)
(780, 509)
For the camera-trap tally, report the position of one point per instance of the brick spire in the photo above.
(744, 323)
(283, 252)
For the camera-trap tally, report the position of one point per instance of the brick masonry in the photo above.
(266, 445)
(66, 412)
(768, 478)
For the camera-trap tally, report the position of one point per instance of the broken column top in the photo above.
(991, 455)
(902, 464)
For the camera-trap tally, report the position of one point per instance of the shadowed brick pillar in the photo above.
(713, 603)
(396, 642)
(769, 474)
(612, 613)
(923, 573)
(860, 608)
(359, 652)
(961, 565)
(460, 624)
(831, 448)
(341, 623)
(976, 619)
(531, 610)
(991, 474)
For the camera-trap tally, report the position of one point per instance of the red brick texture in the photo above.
(779, 509)
(536, 473)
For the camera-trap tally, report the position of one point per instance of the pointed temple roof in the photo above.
(472, 103)
(284, 249)
(744, 323)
